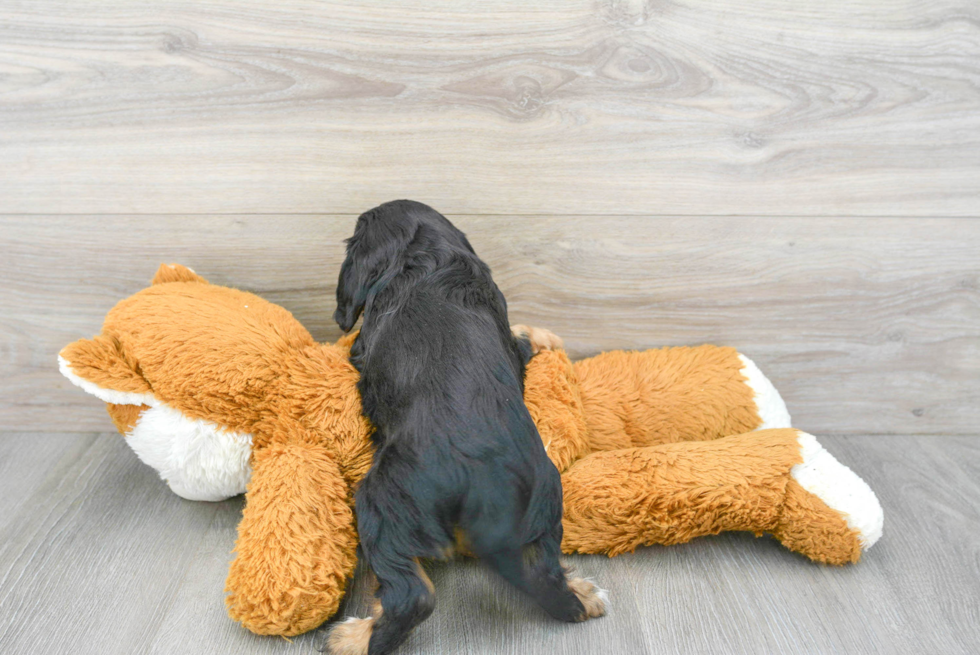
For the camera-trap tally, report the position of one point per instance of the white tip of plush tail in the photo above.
(841, 489)
(769, 404)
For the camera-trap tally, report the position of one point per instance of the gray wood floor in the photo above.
(96, 556)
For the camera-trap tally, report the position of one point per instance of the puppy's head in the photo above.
(384, 239)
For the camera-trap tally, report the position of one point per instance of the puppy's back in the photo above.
(442, 381)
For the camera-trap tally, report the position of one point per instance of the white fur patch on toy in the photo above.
(108, 395)
(840, 488)
(769, 404)
(199, 460)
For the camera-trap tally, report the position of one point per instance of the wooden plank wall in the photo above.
(801, 181)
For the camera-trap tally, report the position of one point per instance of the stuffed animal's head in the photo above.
(197, 459)
(191, 373)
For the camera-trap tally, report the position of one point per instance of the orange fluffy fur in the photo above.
(644, 440)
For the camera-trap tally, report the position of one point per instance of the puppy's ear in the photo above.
(375, 255)
(352, 290)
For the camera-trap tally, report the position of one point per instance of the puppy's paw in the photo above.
(593, 598)
(350, 637)
(540, 338)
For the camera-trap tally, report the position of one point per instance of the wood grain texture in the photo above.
(591, 107)
(60, 559)
(868, 326)
(100, 557)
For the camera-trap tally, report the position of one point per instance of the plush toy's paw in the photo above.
(297, 543)
(350, 637)
(540, 338)
(593, 598)
(830, 514)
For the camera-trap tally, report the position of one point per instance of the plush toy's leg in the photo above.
(819, 493)
(551, 393)
(665, 395)
(296, 542)
(779, 481)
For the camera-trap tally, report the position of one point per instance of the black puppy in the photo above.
(442, 381)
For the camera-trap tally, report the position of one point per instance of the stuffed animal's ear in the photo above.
(101, 367)
(176, 273)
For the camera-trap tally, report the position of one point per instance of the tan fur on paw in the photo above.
(592, 597)
(540, 338)
(350, 637)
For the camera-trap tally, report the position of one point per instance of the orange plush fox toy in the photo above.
(224, 393)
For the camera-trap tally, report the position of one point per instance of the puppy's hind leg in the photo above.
(535, 569)
(403, 601)
(405, 596)
(593, 598)
(553, 590)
